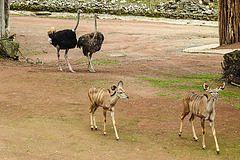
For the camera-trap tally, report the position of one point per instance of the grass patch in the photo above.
(231, 94)
(103, 62)
(176, 85)
(183, 82)
(36, 53)
(238, 108)
(208, 77)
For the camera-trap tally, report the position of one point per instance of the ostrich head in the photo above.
(52, 30)
(79, 11)
(96, 16)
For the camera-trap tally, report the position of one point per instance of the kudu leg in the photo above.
(193, 129)
(214, 135)
(104, 122)
(114, 125)
(92, 110)
(181, 124)
(203, 133)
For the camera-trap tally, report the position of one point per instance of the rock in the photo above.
(173, 8)
(43, 13)
(9, 49)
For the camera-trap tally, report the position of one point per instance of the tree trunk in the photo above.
(231, 67)
(4, 18)
(229, 21)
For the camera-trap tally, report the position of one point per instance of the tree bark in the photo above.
(231, 67)
(4, 18)
(229, 21)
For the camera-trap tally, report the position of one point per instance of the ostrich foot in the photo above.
(60, 69)
(92, 71)
(72, 71)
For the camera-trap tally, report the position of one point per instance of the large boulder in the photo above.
(9, 49)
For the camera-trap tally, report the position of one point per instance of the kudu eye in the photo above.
(120, 92)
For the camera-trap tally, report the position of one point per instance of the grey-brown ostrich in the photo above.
(91, 43)
(64, 39)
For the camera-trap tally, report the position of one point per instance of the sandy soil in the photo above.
(44, 112)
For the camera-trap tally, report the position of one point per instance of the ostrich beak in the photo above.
(79, 11)
(95, 15)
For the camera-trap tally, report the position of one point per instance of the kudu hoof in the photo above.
(218, 152)
(196, 139)
(204, 148)
(118, 139)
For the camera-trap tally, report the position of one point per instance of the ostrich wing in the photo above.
(89, 43)
(65, 39)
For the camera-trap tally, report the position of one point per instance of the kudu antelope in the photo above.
(106, 99)
(203, 107)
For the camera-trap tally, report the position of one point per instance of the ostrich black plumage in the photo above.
(91, 43)
(65, 39)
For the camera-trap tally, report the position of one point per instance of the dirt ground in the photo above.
(44, 112)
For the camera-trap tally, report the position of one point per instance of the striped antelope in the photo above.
(203, 107)
(106, 99)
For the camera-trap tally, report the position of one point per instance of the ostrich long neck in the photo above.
(74, 29)
(95, 33)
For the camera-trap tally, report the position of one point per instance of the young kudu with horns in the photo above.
(203, 107)
(106, 99)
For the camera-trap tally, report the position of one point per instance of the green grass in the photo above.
(238, 108)
(177, 85)
(36, 53)
(183, 82)
(103, 62)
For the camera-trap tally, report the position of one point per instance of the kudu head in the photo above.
(119, 90)
(215, 91)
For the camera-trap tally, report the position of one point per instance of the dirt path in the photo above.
(44, 112)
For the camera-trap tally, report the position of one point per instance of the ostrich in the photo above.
(64, 39)
(91, 43)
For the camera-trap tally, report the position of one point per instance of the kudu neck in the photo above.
(114, 99)
(211, 101)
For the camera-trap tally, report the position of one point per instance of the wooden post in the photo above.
(229, 21)
(4, 18)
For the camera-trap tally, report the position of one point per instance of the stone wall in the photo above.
(177, 9)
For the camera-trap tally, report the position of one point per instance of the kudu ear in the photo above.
(221, 87)
(205, 87)
(113, 87)
(120, 84)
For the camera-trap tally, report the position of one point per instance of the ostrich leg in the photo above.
(69, 66)
(90, 67)
(58, 55)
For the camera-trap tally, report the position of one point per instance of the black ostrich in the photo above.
(91, 43)
(65, 39)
